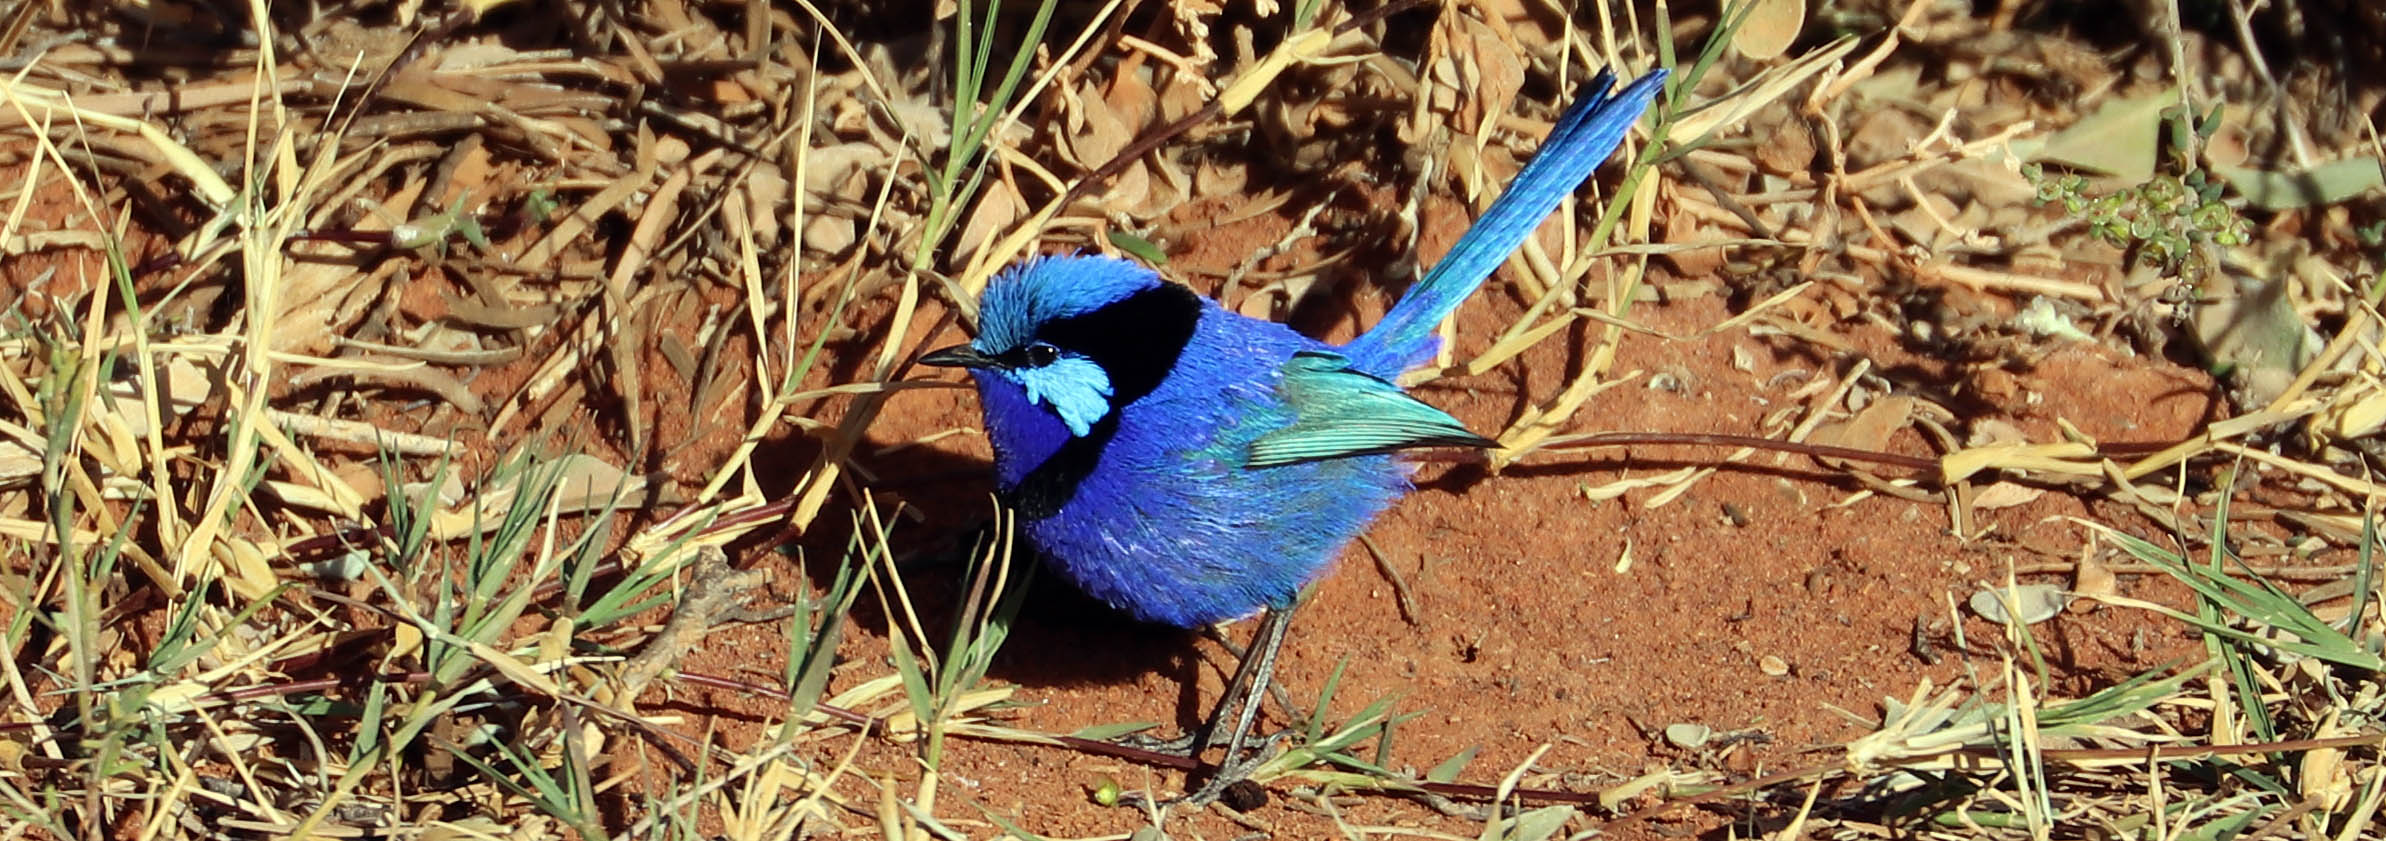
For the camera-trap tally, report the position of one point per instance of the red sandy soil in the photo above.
(1527, 633)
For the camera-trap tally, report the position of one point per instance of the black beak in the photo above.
(959, 356)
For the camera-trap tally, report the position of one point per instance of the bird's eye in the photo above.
(1039, 354)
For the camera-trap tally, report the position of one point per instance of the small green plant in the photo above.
(943, 688)
(2259, 603)
(1339, 748)
(2161, 221)
(2166, 221)
(465, 610)
(957, 180)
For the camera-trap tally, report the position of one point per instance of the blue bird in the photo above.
(1190, 465)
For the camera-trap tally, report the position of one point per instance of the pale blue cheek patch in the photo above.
(1077, 390)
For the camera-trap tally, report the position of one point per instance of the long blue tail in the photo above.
(1583, 138)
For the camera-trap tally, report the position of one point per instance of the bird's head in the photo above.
(1078, 335)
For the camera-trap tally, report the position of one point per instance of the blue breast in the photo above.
(1166, 523)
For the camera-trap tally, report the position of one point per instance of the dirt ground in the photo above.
(1530, 630)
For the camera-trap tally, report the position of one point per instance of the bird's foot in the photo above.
(1232, 780)
(1229, 783)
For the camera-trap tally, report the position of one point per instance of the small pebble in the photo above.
(1244, 796)
(2037, 602)
(1688, 735)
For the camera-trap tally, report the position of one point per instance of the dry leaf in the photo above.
(1216, 178)
(1183, 95)
(926, 124)
(1132, 100)
(1871, 428)
(185, 382)
(766, 197)
(828, 233)
(1688, 735)
(1771, 27)
(2119, 139)
(2323, 184)
(1787, 147)
(2004, 495)
(1995, 431)
(1695, 262)
(315, 287)
(19, 459)
(1260, 304)
(1104, 135)
(997, 207)
(2094, 580)
(1885, 134)
(2253, 327)
(1923, 224)
(827, 170)
(1478, 66)
(1168, 187)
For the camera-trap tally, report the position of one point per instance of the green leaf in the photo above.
(1143, 249)
(814, 653)
(2119, 139)
(2250, 325)
(1325, 697)
(2257, 600)
(915, 681)
(2326, 184)
(1449, 769)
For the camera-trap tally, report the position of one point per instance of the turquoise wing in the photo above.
(1339, 412)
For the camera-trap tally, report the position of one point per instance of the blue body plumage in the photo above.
(1190, 465)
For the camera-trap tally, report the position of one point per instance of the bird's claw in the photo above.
(1235, 768)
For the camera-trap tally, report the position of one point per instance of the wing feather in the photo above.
(1340, 412)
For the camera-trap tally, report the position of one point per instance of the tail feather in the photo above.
(1585, 135)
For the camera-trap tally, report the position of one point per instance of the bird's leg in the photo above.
(1248, 688)
(1193, 742)
(1254, 677)
(1244, 694)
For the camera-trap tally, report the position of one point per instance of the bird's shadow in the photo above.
(1060, 638)
(1063, 638)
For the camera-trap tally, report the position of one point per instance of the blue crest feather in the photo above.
(1046, 288)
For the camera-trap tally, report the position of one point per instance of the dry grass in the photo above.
(335, 494)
